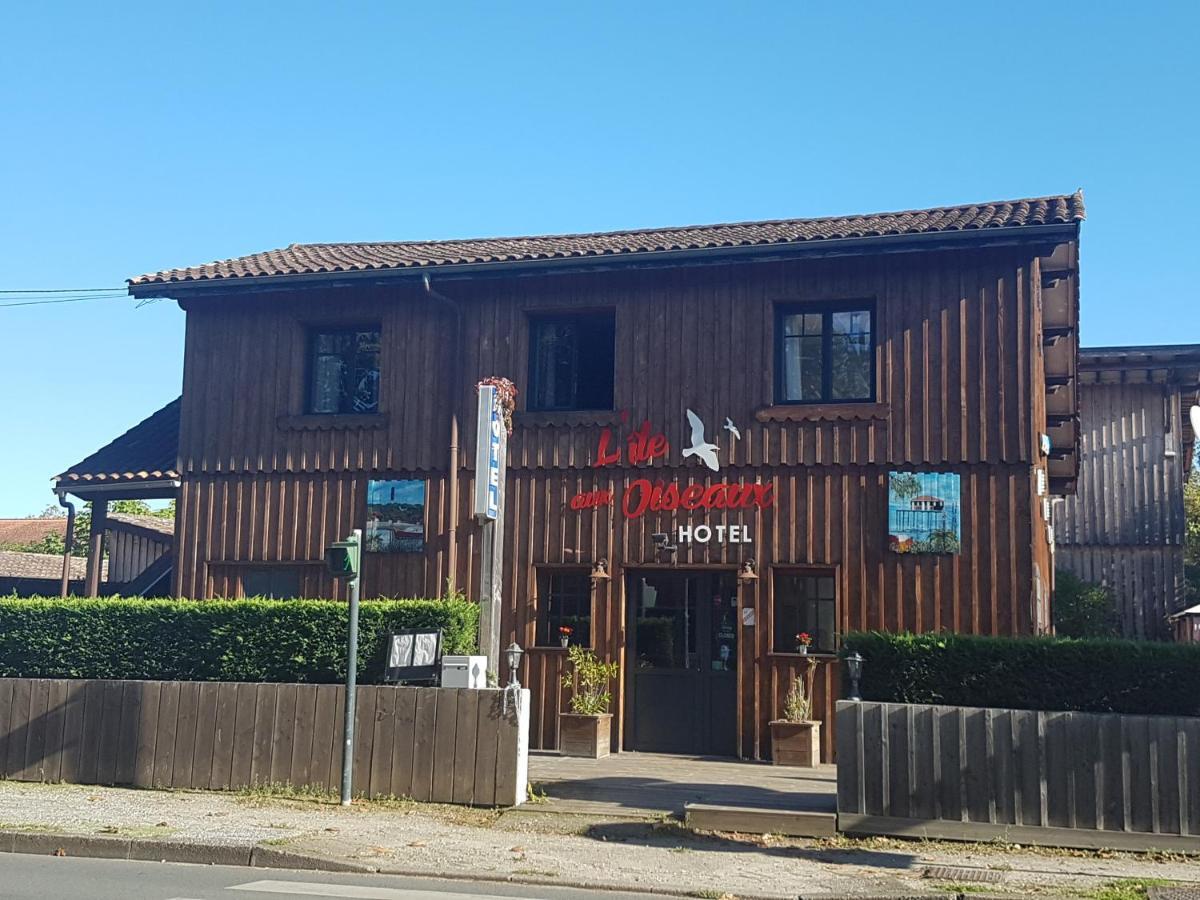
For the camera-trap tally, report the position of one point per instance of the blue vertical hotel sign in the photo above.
(489, 435)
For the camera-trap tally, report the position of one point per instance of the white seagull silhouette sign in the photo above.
(700, 447)
(732, 429)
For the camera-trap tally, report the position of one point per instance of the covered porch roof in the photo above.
(141, 464)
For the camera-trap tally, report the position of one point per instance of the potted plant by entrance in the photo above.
(586, 729)
(796, 738)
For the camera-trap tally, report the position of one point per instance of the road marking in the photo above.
(355, 892)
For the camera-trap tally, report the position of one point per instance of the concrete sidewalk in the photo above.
(534, 845)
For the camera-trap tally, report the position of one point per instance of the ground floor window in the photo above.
(276, 582)
(805, 602)
(564, 602)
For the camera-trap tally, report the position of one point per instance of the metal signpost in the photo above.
(343, 559)
(490, 451)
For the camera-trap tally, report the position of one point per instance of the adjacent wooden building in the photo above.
(725, 436)
(1124, 527)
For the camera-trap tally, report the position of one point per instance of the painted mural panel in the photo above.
(924, 512)
(395, 517)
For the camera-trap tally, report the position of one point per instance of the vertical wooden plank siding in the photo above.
(960, 377)
(1125, 526)
(1005, 767)
(459, 743)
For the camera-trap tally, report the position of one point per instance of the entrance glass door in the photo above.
(683, 673)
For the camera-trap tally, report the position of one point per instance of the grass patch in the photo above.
(996, 847)
(282, 794)
(283, 790)
(38, 827)
(1125, 889)
(534, 794)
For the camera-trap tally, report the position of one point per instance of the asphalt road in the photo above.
(30, 877)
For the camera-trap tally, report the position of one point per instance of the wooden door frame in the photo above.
(629, 574)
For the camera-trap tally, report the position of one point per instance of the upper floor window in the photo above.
(825, 353)
(571, 359)
(344, 370)
(564, 607)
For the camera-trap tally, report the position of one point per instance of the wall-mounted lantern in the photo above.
(854, 663)
(600, 571)
(748, 571)
(514, 654)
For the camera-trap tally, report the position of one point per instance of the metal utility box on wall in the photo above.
(464, 672)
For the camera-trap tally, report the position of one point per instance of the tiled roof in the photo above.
(310, 259)
(157, 524)
(149, 451)
(41, 565)
(30, 531)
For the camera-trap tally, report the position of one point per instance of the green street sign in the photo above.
(342, 558)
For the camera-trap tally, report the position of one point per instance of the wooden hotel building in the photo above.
(755, 431)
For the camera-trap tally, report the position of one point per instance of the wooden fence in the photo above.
(438, 744)
(1064, 778)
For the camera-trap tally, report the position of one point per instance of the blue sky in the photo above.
(138, 137)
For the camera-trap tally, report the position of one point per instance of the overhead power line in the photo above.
(64, 290)
(13, 299)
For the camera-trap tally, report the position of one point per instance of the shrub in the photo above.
(1092, 675)
(1083, 609)
(213, 640)
(797, 705)
(591, 697)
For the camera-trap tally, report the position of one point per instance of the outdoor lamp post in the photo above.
(854, 667)
(514, 654)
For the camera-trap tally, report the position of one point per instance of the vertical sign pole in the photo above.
(351, 677)
(490, 464)
(492, 580)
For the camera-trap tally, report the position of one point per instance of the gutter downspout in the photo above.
(68, 544)
(455, 385)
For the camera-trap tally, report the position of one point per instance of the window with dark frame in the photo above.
(344, 371)
(571, 361)
(825, 353)
(805, 602)
(276, 582)
(564, 600)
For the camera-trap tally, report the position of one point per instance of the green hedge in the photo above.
(213, 640)
(1093, 675)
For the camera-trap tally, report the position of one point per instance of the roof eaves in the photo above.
(631, 259)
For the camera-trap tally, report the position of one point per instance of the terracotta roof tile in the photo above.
(30, 531)
(41, 565)
(309, 259)
(149, 451)
(157, 524)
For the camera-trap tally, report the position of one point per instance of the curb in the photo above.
(268, 857)
(145, 849)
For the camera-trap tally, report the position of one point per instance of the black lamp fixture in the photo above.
(854, 668)
(514, 654)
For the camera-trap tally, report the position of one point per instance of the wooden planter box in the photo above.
(795, 743)
(586, 736)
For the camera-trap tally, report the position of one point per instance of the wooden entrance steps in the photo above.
(760, 820)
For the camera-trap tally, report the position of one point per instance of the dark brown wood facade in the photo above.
(962, 355)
